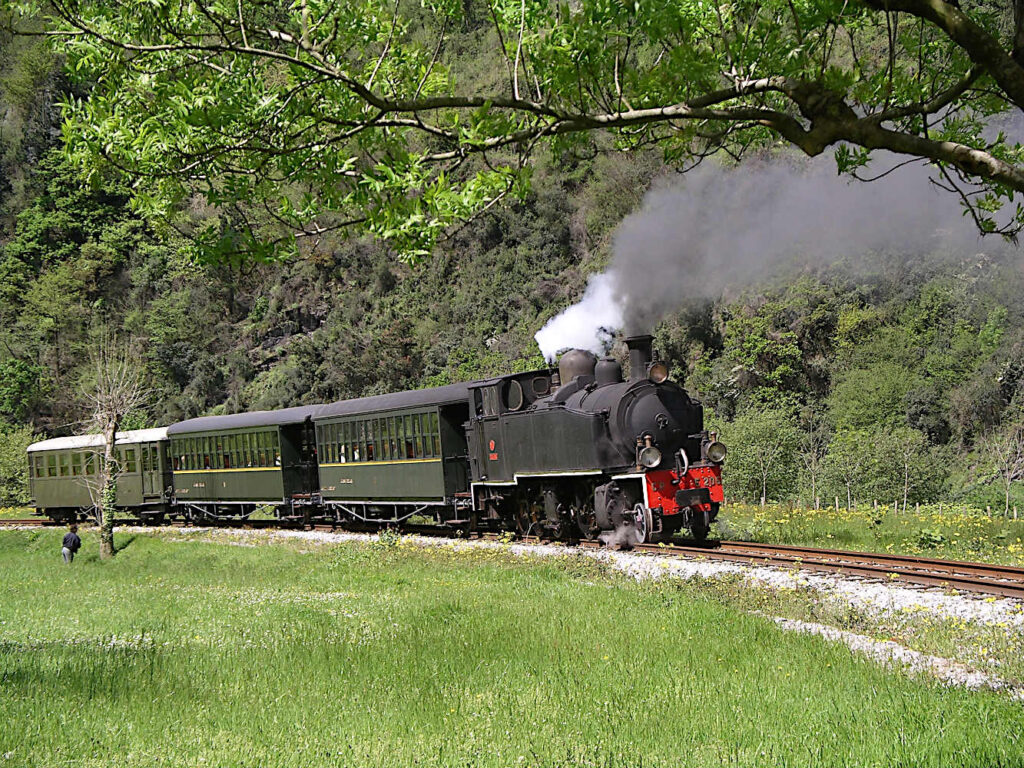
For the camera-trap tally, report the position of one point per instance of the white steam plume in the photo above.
(716, 228)
(589, 324)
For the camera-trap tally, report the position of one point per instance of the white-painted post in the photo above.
(837, 503)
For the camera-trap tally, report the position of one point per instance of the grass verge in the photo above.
(191, 654)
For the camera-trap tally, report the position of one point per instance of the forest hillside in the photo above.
(879, 375)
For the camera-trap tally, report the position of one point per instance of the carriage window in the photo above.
(90, 463)
(51, 465)
(63, 464)
(76, 464)
(371, 440)
(417, 432)
(410, 449)
(129, 460)
(359, 450)
(435, 434)
(146, 466)
(275, 446)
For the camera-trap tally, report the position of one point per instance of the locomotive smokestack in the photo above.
(640, 356)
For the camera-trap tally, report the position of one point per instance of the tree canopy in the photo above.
(315, 115)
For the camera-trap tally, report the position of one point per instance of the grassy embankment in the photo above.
(951, 532)
(190, 653)
(16, 513)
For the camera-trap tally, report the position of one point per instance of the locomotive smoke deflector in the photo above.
(640, 356)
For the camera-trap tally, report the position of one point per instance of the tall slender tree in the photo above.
(1006, 449)
(113, 388)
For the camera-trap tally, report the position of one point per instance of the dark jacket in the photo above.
(72, 542)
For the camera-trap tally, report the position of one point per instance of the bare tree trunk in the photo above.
(906, 485)
(108, 492)
(1017, 52)
(849, 497)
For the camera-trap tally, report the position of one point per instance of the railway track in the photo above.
(39, 522)
(979, 578)
(984, 578)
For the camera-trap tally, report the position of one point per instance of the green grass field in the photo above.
(203, 654)
(16, 513)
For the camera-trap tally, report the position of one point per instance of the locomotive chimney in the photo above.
(640, 356)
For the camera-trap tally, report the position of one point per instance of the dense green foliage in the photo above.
(385, 655)
(323, 115)
(891, 372)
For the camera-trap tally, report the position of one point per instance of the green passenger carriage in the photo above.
(64, 473)
(226, 466)
(388, 457)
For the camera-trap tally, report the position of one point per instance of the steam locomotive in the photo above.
(567, 453)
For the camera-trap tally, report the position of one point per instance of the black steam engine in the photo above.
(585, 453)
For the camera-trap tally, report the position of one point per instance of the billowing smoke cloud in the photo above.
(717, 228)
(589, 324)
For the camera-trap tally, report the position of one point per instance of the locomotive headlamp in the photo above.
(716, 452)
(649, 457)
(658, 372)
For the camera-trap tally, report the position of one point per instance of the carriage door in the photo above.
(152, 484)
(310, 465)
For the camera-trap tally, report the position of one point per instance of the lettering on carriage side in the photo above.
(345, 480)
(198, 485)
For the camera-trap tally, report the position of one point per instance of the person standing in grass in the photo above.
(72, 543)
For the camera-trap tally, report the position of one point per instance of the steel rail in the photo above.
(1001, 580)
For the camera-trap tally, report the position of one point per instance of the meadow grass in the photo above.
(189, 654)
(16, 513)
(951, 532)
